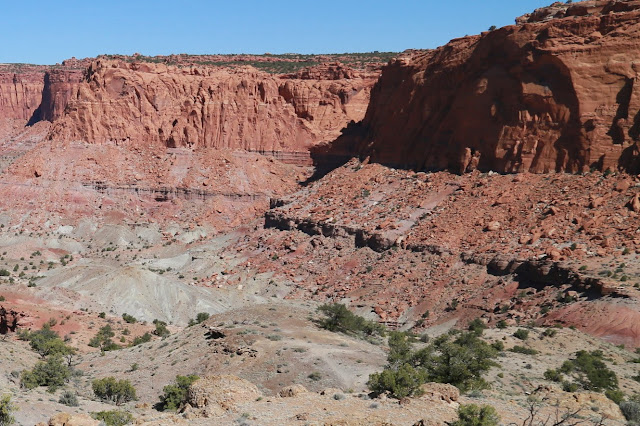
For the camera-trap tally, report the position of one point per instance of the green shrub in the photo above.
(161, 328)
(598, 375)
(46, 342)
(115, 391)
(315, 376)
(138, 340)
(52, 373)
(501, 324)
(201, 317)
(6, 408)
(523, 350)
(175, 395)
(460, 362)
(102, 339)
(630, 409)
(591, 373)
(616, 395)
(130, 319)
(113, 417)
(340, 319)
(477, 326)
(521, 334)
(473, 415)
(69, 398)
(4, 273)
(498, 345)
(553, 375)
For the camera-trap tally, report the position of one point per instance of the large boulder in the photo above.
(212, 396)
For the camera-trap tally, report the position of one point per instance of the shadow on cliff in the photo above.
(35, 117)
(330, 156)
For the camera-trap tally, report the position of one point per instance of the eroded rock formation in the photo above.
(203, 106)
(20, 93)
(558, 95)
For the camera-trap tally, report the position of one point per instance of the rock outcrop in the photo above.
(215, 395)
(66, 419)
(59, 87)
(240, 108)
(558, 95)
(20, 93)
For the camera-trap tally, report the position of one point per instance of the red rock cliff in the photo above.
(20, 93)
(59, 87)
(203, 106)
(557, 95)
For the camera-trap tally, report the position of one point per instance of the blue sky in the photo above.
(47, 32)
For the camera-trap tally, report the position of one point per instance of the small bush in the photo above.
(315, 376)
(115, 391)
(52, 373)
(589, 371)
(113, 417)
(102, 339)
(569, 387)
(553, 375)
(474, 415)
(46, 342)
(460, 362)
(598, 375)
(201, 317)
(6, 408)
(175, 395)
(69, 398)
(138, 340)
(477, 326)
(616, 395)
(161, 328)
(401, 382)
(523, 350)
(340, 319)
(630, 409)
(130, 319)
(501, 324)
(521, 334)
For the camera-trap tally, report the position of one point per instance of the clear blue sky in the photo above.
(47, 32)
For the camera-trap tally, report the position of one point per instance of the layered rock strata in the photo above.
(20, 93)
(209, 107)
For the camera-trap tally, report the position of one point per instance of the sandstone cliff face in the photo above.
(201, 107)
(558, 95)
(20, 94)
(59, 86)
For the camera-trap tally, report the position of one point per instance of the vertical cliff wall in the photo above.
(558, 95)
(195, 107)
(20, 93)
